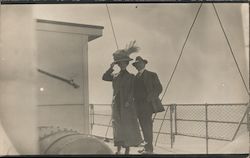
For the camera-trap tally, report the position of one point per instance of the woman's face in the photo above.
(123, 64)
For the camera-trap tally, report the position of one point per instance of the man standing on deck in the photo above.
(147, 88)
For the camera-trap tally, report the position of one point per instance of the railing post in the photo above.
(248, 123)
(92, 118)
(171, 124)
(206, 121)
(175, 118)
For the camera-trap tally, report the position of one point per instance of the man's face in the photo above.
(139, 65)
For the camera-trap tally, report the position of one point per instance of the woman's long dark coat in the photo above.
(125, 125)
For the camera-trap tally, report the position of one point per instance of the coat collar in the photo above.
(142, 72)
(122, 72)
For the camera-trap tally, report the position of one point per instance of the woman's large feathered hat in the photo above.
(123, 54)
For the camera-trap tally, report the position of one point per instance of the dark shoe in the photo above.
(126, 153)
(141, 150)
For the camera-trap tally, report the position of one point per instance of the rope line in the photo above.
(157, 136)
(112, 26)
(175, 67)
(231, 50)
(181, 52)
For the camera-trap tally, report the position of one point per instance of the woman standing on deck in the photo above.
(125, 125)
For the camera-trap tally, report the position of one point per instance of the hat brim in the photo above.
(134, 63)
(122, 60)
(144, 61)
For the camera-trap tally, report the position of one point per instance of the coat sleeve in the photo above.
(107, 76)
(157, 85)
(154, 87)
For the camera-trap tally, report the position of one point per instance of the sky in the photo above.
(206, 72)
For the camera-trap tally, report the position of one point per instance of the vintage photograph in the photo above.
(124, 79)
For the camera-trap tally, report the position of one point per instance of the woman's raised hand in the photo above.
(112, 65)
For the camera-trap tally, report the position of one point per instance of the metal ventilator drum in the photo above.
(63, 141)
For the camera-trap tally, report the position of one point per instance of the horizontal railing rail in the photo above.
(70, 104)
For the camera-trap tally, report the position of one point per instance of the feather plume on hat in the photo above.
(131, 48)
(123, 54)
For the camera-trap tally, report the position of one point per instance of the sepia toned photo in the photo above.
(124, 79)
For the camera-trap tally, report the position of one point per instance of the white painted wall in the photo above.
(18, 78)
(62, 54)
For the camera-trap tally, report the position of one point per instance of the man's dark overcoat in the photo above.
(153, 88)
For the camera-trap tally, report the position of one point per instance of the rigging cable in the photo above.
(174, 72)
(175, 67)
(112, 26)
(106, 139)
(231, 50)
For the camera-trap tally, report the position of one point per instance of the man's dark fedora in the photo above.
(139, 59)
